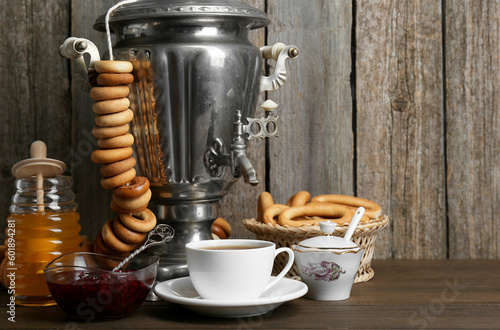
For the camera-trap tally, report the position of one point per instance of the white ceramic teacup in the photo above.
(233, 269)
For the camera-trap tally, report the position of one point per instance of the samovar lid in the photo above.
(175, 9)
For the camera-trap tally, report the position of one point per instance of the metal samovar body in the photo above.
(197, 81)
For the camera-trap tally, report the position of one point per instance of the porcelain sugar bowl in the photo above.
(329, 264)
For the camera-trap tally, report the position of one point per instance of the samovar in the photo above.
(197, 81)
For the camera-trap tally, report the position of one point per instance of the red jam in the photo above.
(96, 296)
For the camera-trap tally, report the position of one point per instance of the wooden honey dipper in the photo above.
(38, 166)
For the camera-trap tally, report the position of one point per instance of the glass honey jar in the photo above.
(45, 222)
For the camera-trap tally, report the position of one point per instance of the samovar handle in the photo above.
(280, 53)
(74, 49)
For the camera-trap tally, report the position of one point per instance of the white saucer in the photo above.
(181, 291)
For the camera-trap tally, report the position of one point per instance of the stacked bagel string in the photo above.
(131, 193)
(301, 210)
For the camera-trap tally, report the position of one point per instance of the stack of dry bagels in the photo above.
(301, 210)
(131, 193)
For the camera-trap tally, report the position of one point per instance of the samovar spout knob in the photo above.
(268, 105)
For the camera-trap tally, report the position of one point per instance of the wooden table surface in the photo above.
(421, 294)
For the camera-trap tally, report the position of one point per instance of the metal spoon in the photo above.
(354, 223)
(164, 232)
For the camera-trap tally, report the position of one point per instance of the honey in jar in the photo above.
(42, 225)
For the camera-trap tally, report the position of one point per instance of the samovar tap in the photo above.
(239, 159)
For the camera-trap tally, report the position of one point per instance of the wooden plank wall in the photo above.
(399, 122)
(389, 100)
(34, 85)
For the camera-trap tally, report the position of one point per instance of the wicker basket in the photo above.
(364, 236)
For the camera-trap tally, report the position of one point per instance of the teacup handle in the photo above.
(285, 269)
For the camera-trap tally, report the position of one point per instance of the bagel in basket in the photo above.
(301, 210)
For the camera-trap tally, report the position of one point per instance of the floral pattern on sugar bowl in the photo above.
(328, 264)
(323, 271)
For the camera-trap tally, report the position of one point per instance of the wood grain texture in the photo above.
(473, 137)
(314, 151)
(34, 85)
(391, 134)
(404, 294)
(241, 201)
(399, 123)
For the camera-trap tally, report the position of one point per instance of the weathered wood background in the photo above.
(395, 101)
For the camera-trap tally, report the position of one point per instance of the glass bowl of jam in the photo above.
(85, 287)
